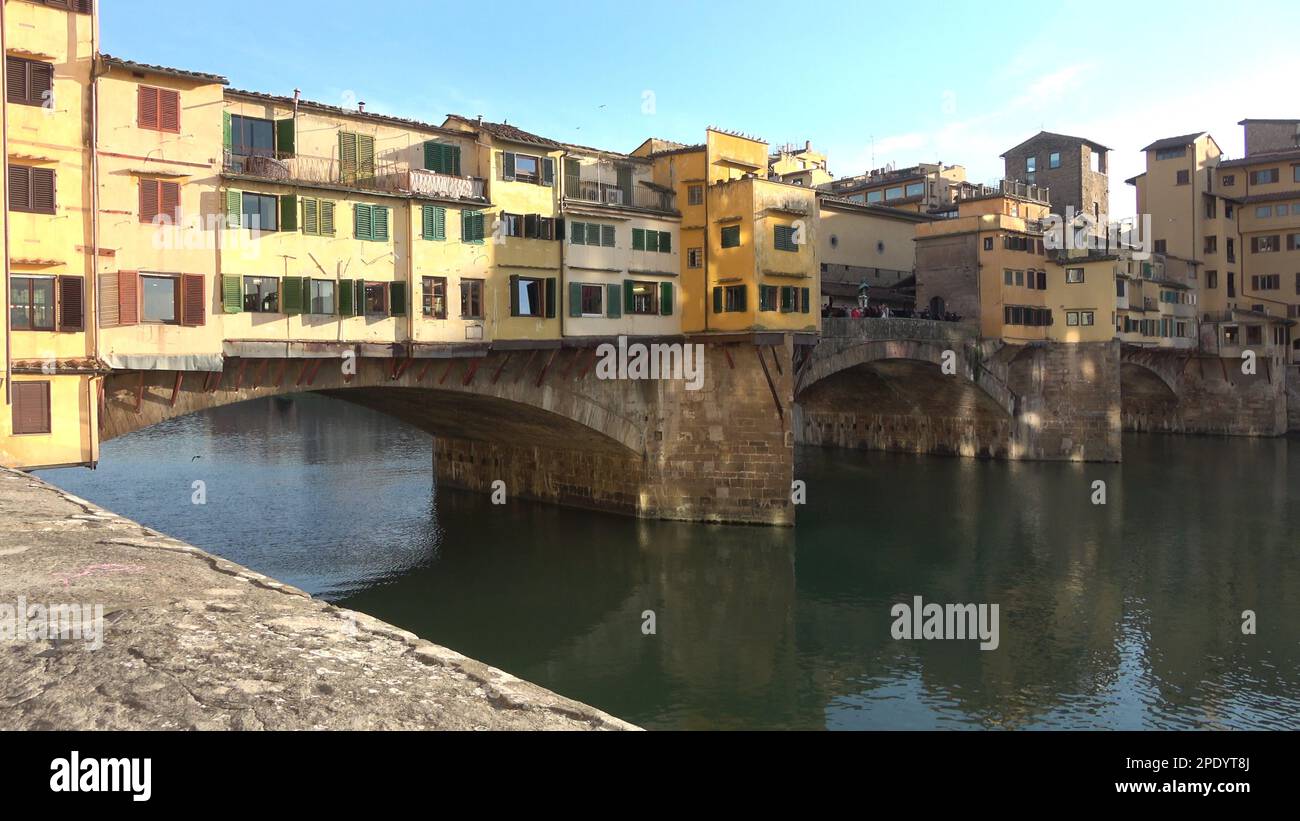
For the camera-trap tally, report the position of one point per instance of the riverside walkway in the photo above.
(187, 640)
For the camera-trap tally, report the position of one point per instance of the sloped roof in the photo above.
(312, 105)
(1175, 142)
(183, 74)
(1095, 146)
(507, 132)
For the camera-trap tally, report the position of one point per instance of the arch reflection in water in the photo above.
(1123, 615)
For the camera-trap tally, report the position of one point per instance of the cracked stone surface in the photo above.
(192, 641)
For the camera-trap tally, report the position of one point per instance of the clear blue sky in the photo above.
(867, 82)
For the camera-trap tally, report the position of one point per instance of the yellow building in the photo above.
(750, 243)
(869, 244)
(926, 188)
(799, 166)
(50, 378)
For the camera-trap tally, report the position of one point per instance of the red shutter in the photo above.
(31, 407)
(169, 111)
(147, 108)
(128, 297)
(193, 300)
(72, 310)
(43, 190)
(149, 196)
(170, 197)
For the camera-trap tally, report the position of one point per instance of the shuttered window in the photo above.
(731, 236)
(433, 222)
(356, 157)
(31, 407)
(443, 158)
(371, 222)
(31, 303)
(29, 82)
(31, 189)
(79, 6)
(128, 297)
(784, 238)
(72, 303)
(158, 109)
(160, 198)
(317, 217)
(471, 226)
(194, 297)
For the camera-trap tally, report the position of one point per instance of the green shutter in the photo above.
(624, 173)
(427, 218)
(397, 299)
(363, 219)
(806, 294)
(665, 242)
(575, 299)
(359, 288)
(629, 298)
(345, 302)
(227, 131)
(577, 233)
(638, 239)
(652, 240)
(514, 295)
(432, 156)
(234, 207)
(288, 212)
(310, 216)
(717, 299)
(665, 299)
(365, 156)
(232, 295)
(347, 157)
(508, 170)
(593, 233)
(787, 298)
(439, 222)
(550, 297)
(292, 295)
(327, 218)
(614, 300)
(607, 236)
(380, 214)
(285, 133)
(548, 171)
(478, 226)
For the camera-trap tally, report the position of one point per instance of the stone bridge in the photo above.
(1184, 391)
(540, 420)
(879, 384)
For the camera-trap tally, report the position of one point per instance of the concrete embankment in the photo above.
(191, 641)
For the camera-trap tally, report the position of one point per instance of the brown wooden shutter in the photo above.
(147, 107)
(193, 300)
(149, 200)
(16, 79)
(169, 111)
(108, 307)
(43, 190)
(31, 407)
(128, 297)
(72, 304)
(41, 82)
(169, 195)
(20, 188)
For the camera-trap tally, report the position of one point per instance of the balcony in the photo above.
(577, 189)
(383, 175)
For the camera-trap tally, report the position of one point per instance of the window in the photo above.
(1211, 207)
(158, 109)
(1265, 177)
(1054, 159)
(591, 233)
(376, 298)
(31, 189)
(1266, 282)
(1292, 242)
(160, 201)
(262, 295)
(1211, 279)
(435, 297)
(894, 193)
(1265, 245)
(1160, 246)
(988, 243)
(321, 297)
(1031, 165)
(471, 226)
(1263, 211)
(642, 297)
(1072, 318)
(695, 194)
(731, 236)
(1183, 177)
(1229, 180)
(1254, 334)
(644, 239)
(433, 222)
(471, 298)
(512, 225)
(356, 157)
(767, 296)
(729, 299)
(1211, 245)
(784, 239)
(1020, 278)
(31, 303)
(1073, 275)
(1171, 153)
(1008, 276)
(527, 168)
(1119, 288)
(252, 136)
(695, 258)
(875, 196)
(527, 296)
(794, 300)
(1295, 173)
(31, 412)
(29, 82)
(159, 299)
(1030, 279)
(915, 189)
(259, 212)
(317, 217)
(591, 300)
(371, 222)
(442, 158)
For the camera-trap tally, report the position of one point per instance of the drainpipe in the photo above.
(562, 286)
(4, 205)
(90, 318)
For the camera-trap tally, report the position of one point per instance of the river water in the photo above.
(1126, 614)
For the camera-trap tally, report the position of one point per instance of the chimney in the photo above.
(807, 145)
(480, 119)
(361, 106)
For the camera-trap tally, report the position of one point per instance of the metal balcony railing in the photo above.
(593, 191)
(381, 175)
